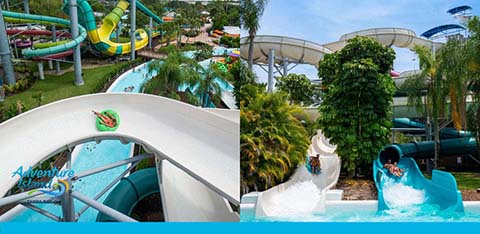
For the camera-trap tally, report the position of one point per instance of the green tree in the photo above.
(355, 112)
(207, 87)
(172, 72)
(250, 13)
(473, 111)
(429, 83)
(299, 88)
(241, 76)
(272, 140)
(454, 59)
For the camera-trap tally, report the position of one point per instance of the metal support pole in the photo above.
(117, 34)
(16, 50)
(109, 186)
(40, 70)
(18, 197)
(102, 208)
(68, 209)
(133, 20)
(285, 66)
(271, 64)
(5, 53)
(77, 59)
(54, 39)
(42, 211)
(50, 64)
(26, 8)
(151, 34)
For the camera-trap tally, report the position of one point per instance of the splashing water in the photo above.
(398, 194)
(297, 199)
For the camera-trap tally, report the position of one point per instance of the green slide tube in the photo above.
(26, 18)
(148, 12)
(129, 191)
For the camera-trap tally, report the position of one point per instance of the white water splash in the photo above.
(399, 195)
(297, 199)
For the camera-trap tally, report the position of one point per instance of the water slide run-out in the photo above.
(304, 192)
(441, 190)
(196, 171)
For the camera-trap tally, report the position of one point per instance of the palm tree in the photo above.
(429, 78)
(272, 140)
(250, 13)
(208, 87)
(454, 64)
(172, 72)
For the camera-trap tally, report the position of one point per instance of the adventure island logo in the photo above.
(38, 180)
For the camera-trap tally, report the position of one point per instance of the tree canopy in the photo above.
(355, 112)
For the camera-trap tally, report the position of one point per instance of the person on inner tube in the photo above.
(106, 119)
(315, 164)
(393, 168)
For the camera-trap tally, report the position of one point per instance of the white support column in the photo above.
(271, 64)
(40, 70)
(133, 21)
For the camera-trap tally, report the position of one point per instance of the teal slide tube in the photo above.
(129, 191)
(446, 133)
(53, 20)
(148, 12)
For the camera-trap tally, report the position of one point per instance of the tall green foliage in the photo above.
(430, 77)
(272, 140)
(474, 85)
(172, 72)
(250, 13)
(355, 112)
(299, 88)
(241, 76)
(207, 87)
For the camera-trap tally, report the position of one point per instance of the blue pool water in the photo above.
(217, 51)
(93, 155)
(419, 213)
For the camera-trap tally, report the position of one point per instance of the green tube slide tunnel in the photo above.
(47, 20)
(129, 191)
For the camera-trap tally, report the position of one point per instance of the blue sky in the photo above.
(324, 21)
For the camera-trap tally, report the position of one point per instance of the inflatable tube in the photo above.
(222, 67)
(103, 128)
(129, 191)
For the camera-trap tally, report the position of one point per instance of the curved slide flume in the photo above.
(440, 191)
(311, 53)
(60, 47)
(162, 125)
(304, 192)
(100, 37)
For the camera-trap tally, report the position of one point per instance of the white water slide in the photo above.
(308, 52)
(303, 192)
(200, 146)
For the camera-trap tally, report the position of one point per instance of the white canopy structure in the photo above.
(282, 51)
